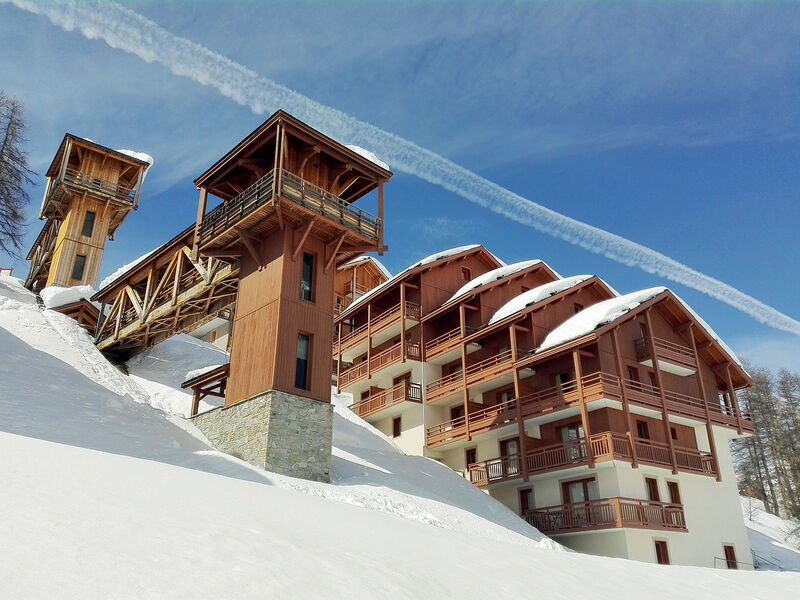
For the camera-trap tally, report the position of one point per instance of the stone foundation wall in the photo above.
(276, 431)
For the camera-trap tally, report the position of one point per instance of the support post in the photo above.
(380, 217)
(734, 400)
(201, 211)
(403, 321)
(660, 384)
(624, 394)
(517, 406)
(576, 361)
(462, 317)
(709, 429)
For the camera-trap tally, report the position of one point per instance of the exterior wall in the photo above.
(412, 430)
(279, 432)
(269, 316)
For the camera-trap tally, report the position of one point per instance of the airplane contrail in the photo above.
(126, 30)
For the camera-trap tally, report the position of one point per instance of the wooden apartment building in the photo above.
(601, 419)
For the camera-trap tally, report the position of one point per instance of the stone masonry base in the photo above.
(276, 431)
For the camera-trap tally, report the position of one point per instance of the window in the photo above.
(525, 500)
(652, 379)
(576, 450)
(396, 427)
(301, 366)
(507, 397)
(642, 430)
(466, 274)
(652, 489)
(307, 279)
(562, 379)
(581, 490)
(404, 378)
(471, 456)
(456, 412)
(633, 373)
(577, 307)
(365, 394)
(88, 224)
(673, 433)
(510, 451)
(662, 555)
(730, 557)
(674, 492)
(77, 266)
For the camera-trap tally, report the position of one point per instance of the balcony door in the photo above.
(509, 453)
(578, 495)
(574, 444)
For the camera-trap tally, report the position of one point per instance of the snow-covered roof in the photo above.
(373, 260)
(425, 261)
(195, 373)
(370, 156)
(595, 316)
(491, 276)
(55, 295)
(124, 269)
(142, 156)
(537, 294)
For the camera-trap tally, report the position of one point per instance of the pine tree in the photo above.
(15, 174)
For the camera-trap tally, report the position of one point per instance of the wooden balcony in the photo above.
(402, 392)
(94, 186)
(376, 325)
(379, 361)
(294, 189)
(672, 357)
(595, 386)
(476, 373)
(607, 513)
(444, 343)
(605, 446)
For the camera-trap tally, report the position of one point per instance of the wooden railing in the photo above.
(497, 469)
(474, 373)
(445, 342)
(402, 392)
(383, 359)
(96, 184)
(607, 513)
(379, 322)
(667, 351)
(297, 190)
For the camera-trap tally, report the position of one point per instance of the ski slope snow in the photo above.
(107, 496)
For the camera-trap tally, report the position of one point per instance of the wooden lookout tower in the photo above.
(90, 190)
(288, 212)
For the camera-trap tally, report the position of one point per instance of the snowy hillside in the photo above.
(107, 496)
(775, 541)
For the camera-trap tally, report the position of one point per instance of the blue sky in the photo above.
(674, 125)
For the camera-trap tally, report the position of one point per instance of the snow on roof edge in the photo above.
(535, 295)
(380, 266)
(370, 156)
(492, 276)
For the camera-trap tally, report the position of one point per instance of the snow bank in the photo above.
(771, 537)
(425, 261)
(370, 156)
(537, 294)
(491, 276)
(55, 295)
(12, 288)
(597, 315)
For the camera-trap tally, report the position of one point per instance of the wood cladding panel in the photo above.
(253, 350)
(441, 282)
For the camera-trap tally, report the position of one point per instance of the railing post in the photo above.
(403, 320)
(660, 383)
(624, 393)
(369, 340)
(517, 405)
(576, 361)
(734, 400)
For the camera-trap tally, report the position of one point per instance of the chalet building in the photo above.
(603, 420)
(90, 190)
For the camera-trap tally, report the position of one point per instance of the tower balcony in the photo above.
(607, 513)
(672, 358)
(256, 204)
(394, 397)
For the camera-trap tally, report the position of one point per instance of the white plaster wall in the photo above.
(412, 432)
(612, 543)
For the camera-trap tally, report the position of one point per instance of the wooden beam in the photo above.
(380, 216)
(587, 434)
(201, 211)
(299, 245)
(336, 244)
(246, 241)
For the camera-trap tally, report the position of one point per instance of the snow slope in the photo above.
(105, 496)
(771, 537)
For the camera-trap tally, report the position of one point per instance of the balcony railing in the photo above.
(595, 386)
(605, 446)
(607, 513)
(295, 189)
(475, 373)
(383, 359)
(402, 392)
(96, 184)
(377, 323)
(666, 351)
(445, 342)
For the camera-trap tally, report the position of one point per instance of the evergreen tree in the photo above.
(15, 174)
